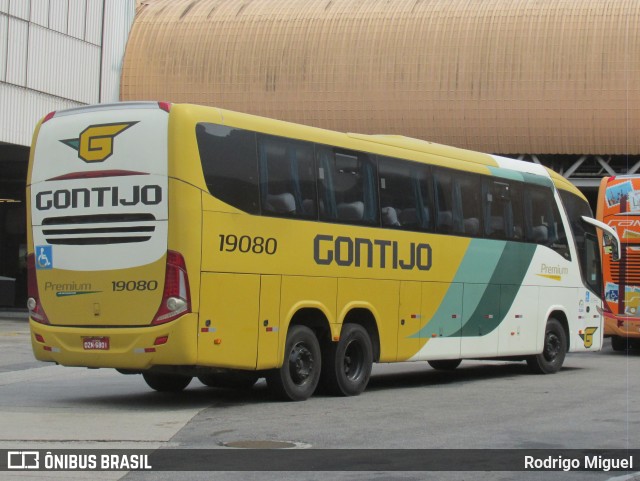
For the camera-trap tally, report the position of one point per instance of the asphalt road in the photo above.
(594, 402)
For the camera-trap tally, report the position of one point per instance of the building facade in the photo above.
(54, 54)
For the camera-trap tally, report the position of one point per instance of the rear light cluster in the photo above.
(36, 312)
(176, 299)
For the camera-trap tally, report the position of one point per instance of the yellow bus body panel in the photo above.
(129, 347)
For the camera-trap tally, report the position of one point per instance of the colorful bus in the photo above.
(179, 241)
(619, 207)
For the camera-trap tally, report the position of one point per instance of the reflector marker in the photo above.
(144, 350)
(208, 329)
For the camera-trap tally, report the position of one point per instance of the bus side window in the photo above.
(542, 218)
(347, 186)
(503, 209)
(404, 196)
(287, 181)
(230, 165)
(497, 208)
(443, 201)
(468, 204)
(517, 211)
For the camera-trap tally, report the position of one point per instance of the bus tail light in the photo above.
(176, 298)
(166, 106)
(48, 117)
(36, 312)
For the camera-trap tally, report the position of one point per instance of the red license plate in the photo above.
(95, 343)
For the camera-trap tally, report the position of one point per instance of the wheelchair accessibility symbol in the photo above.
(44, 257)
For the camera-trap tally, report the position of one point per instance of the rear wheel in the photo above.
(550, 360)
(298, 377)
(166, 382)
(620, 343)
(347, 364)
(445, 364)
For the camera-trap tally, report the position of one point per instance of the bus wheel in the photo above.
(445, 364)
(229, 380)
(166, 382)
(552, 356)
(298, 377)
(347, 363)
(620, 343)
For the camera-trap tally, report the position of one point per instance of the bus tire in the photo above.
(550, 360)
(347, 363)
(163, 382)
(445, 364)
(299, 375)
(229, 380)
(620, 343)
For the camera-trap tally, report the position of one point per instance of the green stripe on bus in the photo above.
(484, 269)
(493, 305)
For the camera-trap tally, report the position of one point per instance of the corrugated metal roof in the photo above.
(508, 76)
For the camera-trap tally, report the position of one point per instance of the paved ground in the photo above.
(591, 403)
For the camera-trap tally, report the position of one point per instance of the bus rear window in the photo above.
(230, 165)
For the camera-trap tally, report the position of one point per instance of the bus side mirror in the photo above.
(610, 239)
(610, 246)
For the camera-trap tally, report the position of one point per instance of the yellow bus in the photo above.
(179, 241)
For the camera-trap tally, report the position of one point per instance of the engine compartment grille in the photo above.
(99, 229)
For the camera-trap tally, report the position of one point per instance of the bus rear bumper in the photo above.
(136, 348)
(622, 327)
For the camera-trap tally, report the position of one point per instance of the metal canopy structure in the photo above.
(553, 81)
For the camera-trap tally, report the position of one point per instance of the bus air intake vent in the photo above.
(98, 229)
(630, 267)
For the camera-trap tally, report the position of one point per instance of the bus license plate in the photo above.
(95, 343)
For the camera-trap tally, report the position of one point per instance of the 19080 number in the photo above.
(119, 286)
(246, 244)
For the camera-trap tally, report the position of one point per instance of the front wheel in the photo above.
(298, 377)
(166, 382)
(347, 363)
(550, 360)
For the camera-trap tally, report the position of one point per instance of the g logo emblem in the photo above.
(587, 337)
(95, 143)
